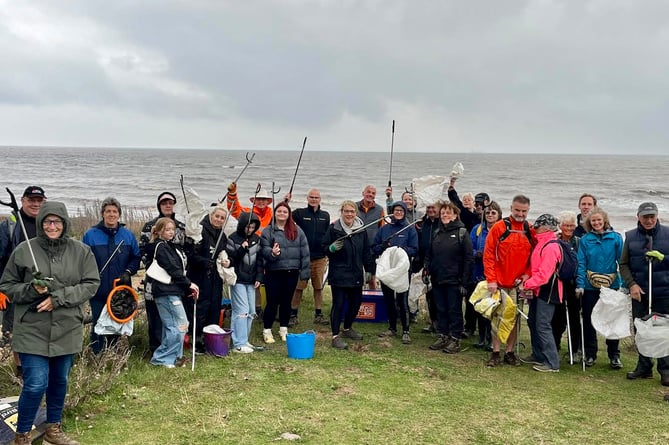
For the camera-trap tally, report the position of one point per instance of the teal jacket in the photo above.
(72, 267)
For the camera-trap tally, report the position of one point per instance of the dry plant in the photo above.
(84, 218)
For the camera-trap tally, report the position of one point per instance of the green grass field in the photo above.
(379, 391)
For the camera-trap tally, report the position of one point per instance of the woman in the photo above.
(49, 315)
(449, 263)
(468, 201)
(285, 255)
(168, 296)
(478, 235)
(598, 252)
(244, 250)
(202, 269)
(348, 251)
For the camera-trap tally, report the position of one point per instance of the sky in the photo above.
(518, 76)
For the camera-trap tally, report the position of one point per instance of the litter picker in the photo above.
(392, 143)
(650, 275)
(571, 351)
(361, 229)
(14, 205)
(290, 192)
(249, 161)
(183, 192)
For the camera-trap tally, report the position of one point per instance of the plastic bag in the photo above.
(416, 289)
(611, 315)
(392, 268)
(652, 335)
(483, 301)
(504, 318)
(227, 274)
(107, 326)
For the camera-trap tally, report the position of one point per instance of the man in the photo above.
(11, 235)
(117, 255)
(314, 222)
(506, 263)
(648, 242)
(586, 203)
(369, 211)
(165, 204)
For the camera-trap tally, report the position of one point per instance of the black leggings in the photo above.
(341, 296)
(279, 286)
(396, 302)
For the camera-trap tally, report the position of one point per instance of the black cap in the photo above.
(481, 197)
(34, 191)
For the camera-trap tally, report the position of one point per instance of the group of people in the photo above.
(456, 243)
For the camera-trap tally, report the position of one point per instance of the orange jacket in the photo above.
(505, 261)
(265, 215)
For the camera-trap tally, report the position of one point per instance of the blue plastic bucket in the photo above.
(301, 346)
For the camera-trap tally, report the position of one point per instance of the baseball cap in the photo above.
(481, 197)
(166, 195)
(546, 220)
(34, 191)
(647, 208)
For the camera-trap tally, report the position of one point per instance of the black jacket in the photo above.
(172, 259)
(247, 261)
(346, 265)
(202, 260)
(313, 222)
(449, 259)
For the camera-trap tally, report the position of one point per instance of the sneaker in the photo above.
(440, 343)
(181, 362)
(544, 368)
(639, 374)
(199, 348)
(452, 346)
(319, 319)
(267, 336)
(388, 333)
(530, 360)
(494, 360)
(405, 338)
(55, 435)
(243, 349)
(511, 359)
(352, 334)
(589, 362)
(338, 342)
(254, 347)
(616, 363)
(293, 321)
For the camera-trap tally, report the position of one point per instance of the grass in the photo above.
(377, 392)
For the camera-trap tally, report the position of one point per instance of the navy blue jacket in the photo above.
(313, 222)
(634, 266)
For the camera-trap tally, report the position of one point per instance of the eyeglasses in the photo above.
(52, 222)
(491, 212)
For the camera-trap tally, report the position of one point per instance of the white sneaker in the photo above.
(267, 336)
(283, 332)
(243, 349)
(254, 347)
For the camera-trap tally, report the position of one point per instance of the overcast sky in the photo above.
(457, 76)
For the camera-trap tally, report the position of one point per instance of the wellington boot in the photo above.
(55, 436)
(21, 439)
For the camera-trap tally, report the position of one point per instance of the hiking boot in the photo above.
(440, 343)
(338, 342)
(530, 360)
(639, 374)
(452, 346)
(494, 360)
(616, 363)
(54, 435)
(544, 368)
(405, 338)
(664, 379)
(21, 439)
(589, 362)
(293, 321)
(283, 332)
(387, 333)
(511, 359)
(352, 334)
(267, 336)
(319, 319)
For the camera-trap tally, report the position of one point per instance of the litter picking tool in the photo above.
(249, 161)
(571, 351)
(650, 276)
(274, 192)
(193, 342)
(290, 192)
(183, 192)
(582, 338)
(111, 257)
(392, 143)
(361, 229)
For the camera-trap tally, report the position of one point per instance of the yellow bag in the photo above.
(504, 319)
(483, 301)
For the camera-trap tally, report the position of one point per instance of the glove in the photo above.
(337, 245)
(655, 255)
(3, 301)
(232, 189)
(125, 279)
(425, 277)
(463, 291)
(579, 292)
(38, 280)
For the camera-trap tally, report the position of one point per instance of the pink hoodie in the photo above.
(543, 262)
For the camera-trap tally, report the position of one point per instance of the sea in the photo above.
(82, 177)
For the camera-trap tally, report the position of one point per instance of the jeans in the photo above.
(243, 300)
(449, 309)
(175, 326)
(590, 298)
(280, 286)
(541, 333)
(640, 309)
(100, 342)
(42, 374)
(341, 295)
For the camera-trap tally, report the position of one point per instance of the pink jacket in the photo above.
(543, 262)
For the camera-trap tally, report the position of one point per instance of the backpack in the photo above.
(567, 266)
(508, 231)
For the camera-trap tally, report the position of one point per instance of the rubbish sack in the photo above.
(117, 316)
(107, 326)
(483, 301)
(227, 274)
(195, 212)
(430, 189)
(610, 316)
(416, 289)
(392, 268)
(504, 318)
(652, 335)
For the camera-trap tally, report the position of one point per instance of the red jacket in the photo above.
(508, 260)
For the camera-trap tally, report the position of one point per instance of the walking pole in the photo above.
(290, 192)
(392, 143)
(571, 351)
(249, 160)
